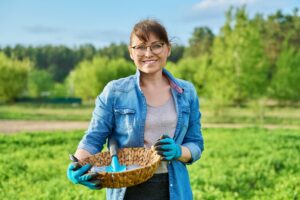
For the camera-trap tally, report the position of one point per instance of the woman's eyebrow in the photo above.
(146, 43)
(143, 43)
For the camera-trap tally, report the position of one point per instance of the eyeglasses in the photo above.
(156, 48)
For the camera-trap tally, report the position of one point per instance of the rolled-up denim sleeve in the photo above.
(193, 139)
(101, 124)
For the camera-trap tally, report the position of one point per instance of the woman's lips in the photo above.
(149, 61)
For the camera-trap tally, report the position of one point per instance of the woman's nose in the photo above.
(148, 52)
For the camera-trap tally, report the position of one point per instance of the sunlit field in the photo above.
(236, 164)
(231, 115)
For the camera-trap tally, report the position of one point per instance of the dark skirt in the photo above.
(156, 188)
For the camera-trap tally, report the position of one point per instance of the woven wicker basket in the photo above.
(147, 159)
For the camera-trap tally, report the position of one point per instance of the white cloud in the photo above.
(42, 29)
(211, 13)
(102, 35)
(210, 4)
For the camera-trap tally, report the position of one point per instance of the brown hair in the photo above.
(143, 29)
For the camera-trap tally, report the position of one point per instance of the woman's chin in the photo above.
(150, 69)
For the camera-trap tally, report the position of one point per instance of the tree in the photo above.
(200, 43)
(177, 52)
(114, 51)
(40, 83)
(86, 52)
(60, 90)
(285, 84)
(191, 69)
(238, 70)
(13, 77)
(84, 80)
(88, 79)
(61, 60)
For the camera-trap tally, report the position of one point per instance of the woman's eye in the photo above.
(141, 47)
(156, 46)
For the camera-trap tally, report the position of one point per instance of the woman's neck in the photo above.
(153, 80)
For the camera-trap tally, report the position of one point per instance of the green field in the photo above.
(273, 115)
(236, 164)
(45, 112)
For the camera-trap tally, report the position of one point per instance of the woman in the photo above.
(138, 110)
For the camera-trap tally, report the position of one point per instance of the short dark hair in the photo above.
(144, 27)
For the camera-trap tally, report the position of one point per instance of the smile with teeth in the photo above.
(149, 61)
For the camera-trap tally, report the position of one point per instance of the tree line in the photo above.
(249, 60)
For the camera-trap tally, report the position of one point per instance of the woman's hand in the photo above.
(167, 148)
(77, 174)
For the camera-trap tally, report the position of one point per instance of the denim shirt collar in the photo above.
(173, 82)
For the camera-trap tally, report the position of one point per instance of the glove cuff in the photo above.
(178, 151)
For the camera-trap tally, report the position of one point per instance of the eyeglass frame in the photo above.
(160, 42)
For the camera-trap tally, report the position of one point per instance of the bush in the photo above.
(13, 77)
(89, 77)
(40, 83)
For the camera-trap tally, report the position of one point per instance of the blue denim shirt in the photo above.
(120, 112)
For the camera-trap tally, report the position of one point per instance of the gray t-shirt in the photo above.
(160, 120)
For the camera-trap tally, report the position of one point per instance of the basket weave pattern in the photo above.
(147, 159)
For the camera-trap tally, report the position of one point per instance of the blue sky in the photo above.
(75, 22)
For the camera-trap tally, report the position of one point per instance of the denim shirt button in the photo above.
(171, 185)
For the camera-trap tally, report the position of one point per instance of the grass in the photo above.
(232, 115)
(45, 112)
(248, 164)
(33, 166)
(272, 115)
(236, 164)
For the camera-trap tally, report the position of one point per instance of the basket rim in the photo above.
(121, 150)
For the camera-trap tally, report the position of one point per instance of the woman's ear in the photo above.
(169, 51)
(130, 52)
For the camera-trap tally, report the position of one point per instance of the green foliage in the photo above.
(200, 43)
(276, 30)
(184, 69)
(177, 52)
(13, 77)
(248, 164)
(236, 164)
(40, 83)
(48, 112)
(283, 116)
(84, 80)
(220, 83)
(86, 52)
(60, 90)
(90, 77)
(191, 69)
(33, 166)
(118, 68)
(239, 67)
(60, 60)
(247, 61)
(115, 51)
(285, 84)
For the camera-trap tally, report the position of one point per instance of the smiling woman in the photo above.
(149, 47)
(149, 109)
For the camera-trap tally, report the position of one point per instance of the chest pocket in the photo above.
(125, 120)
(185, 117)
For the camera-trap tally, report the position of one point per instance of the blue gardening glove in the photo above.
(167, 148)
(77, 175)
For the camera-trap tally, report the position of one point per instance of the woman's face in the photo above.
(151, 56)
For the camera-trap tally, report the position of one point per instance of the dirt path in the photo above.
(16, 126)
